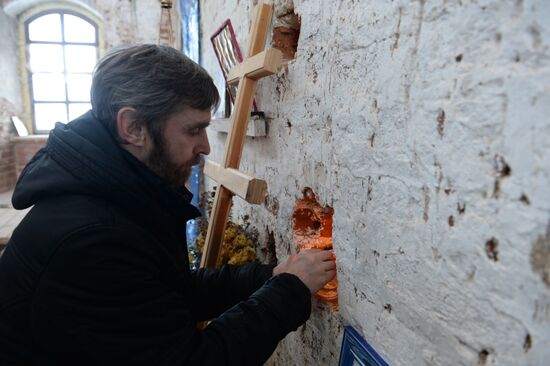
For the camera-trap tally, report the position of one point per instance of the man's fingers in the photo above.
(311, 250)
(322, 254)
(328, 265)
(330, 274)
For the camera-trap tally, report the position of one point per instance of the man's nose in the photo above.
(204, 147)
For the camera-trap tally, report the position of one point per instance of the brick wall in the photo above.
(7, 167)
(25, 148)
(15, 152)
(7, 164)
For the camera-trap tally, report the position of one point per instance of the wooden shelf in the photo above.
(257, 126)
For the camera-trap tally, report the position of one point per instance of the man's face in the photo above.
(183, 141)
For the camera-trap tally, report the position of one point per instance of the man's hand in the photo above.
(315, 267)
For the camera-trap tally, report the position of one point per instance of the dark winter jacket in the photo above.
(97, 272)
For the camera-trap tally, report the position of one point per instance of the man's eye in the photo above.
(195, 131)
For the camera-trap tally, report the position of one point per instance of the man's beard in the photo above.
(159, 161)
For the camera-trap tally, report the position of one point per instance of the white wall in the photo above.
(128, 22)
(426, 126)
(9, 87)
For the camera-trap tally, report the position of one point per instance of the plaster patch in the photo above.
(540, 257)
(527, 343)
(441, 122)
(483, 356)
(502, 170)
(397, 33)
(451, 220)
(371, 139)
(501, 166)
(272, 204)
(461, 207)
(541, 311)
(491, 248)
(269, 252)
(425, 215)
(525, 199)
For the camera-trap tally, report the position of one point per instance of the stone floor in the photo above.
(5, 199)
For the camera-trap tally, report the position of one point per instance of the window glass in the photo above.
(78, 109)
(46, 114)
(46, 57)
(48, 87)
(78, 30)
(80, 58)
(78, 87)
(46, 28)
(62, 51)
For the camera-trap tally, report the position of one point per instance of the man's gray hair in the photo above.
(156, 81)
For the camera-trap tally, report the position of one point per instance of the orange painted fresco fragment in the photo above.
(312, 228)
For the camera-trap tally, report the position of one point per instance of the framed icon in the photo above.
(357, 352)
(229, 55)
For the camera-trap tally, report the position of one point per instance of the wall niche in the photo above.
(312, 228)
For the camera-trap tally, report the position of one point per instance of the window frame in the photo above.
(24, 40)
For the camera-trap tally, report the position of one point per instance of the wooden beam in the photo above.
(235, 140)
(256, 67)
(259, 29)
(251, 189)
(246, 90)
(232, 158)
(216, 227)
(239, 123)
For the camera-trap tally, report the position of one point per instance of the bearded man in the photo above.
(97, 273)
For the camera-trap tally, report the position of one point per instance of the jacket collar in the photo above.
(94, 163)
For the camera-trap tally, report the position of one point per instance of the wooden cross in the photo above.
(230, 180)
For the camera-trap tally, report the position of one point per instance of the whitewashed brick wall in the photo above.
(426, 126)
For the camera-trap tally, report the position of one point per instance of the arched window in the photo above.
(62, 48)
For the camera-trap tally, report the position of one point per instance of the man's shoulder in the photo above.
(69, 226)
(49, 222)
(69, 212)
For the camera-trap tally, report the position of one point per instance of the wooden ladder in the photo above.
(258, 64)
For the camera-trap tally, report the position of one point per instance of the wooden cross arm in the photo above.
(251, 189)
(256, 67)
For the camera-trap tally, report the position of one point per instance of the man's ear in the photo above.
(129, 130)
